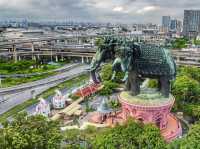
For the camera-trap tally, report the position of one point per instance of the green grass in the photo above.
(26, 67)
(45, 94)
(146, 99)
(8, 82)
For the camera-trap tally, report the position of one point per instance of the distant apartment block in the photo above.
(166, 22)
(191, 23)
(175, 25)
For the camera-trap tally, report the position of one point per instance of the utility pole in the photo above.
(51, 53)
(0, 83)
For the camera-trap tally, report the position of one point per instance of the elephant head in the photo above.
(120, 50)
(105, 51)
(125, 57)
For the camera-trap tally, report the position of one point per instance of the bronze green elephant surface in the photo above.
(138, 61)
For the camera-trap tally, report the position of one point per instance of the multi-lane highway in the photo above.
(10, 97)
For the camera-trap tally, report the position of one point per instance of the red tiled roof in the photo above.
(88, 90)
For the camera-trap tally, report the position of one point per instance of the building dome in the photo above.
(58, 100)
(43, 108)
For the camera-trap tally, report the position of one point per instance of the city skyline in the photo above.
(121, 11)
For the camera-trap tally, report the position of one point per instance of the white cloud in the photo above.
(118, 9)
(121, 9)
(15, 3)
(147, 9)
(96, 10)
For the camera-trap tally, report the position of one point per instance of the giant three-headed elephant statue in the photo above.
(137, 61)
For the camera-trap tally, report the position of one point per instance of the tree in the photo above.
(190, 71)
(119, 77)
(99, 42)
(72, 139)
(79, 139)
(129, 136)
(106, 72)
(190, 141)
(30, 132)
(186, 89)
(114, 104)
(150, 137)
(192, 110)
(179, 43)
(108, 88)
(195, 41)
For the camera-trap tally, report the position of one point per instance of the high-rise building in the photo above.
(175, 25)
(166, 21)
(191, 23)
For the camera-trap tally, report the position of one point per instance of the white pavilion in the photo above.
(58, 100)
(43, 108)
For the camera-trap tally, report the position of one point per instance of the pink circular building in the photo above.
(153, 110)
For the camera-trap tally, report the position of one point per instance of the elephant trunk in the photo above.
(96, 61)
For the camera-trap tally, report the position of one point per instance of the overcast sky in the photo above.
(122, 11)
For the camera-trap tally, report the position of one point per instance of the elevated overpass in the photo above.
(57, 51)
(49, 53)
(61, 47)
(17, 41)
(187, 58)
(33, 40)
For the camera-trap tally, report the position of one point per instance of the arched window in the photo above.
(157, 122)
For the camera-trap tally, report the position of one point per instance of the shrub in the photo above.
(30, 132)
(186, 89)
(153, 83)
(131, 135)
(114, 104)
(106, 72)
(119, 76)
(108, 88)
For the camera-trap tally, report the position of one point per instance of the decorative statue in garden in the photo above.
(137, 61)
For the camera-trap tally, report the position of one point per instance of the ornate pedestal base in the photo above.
(152, 108)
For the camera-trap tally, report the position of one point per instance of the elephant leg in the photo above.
(165, 86)
(114, 70)
(128, 85)
(93, 76)
(135, 83)
(116, 67)
(113, 75)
